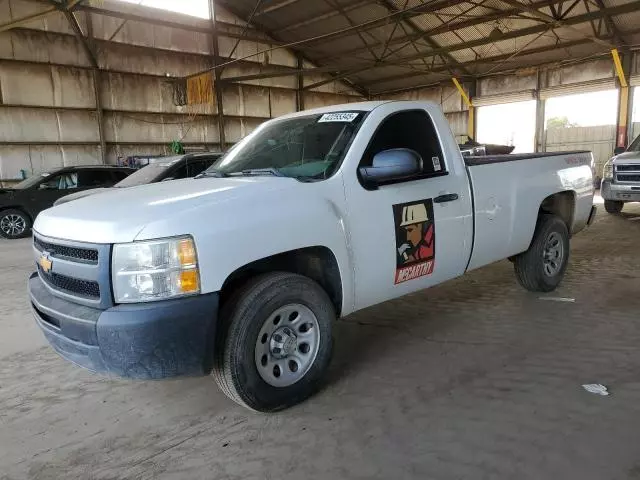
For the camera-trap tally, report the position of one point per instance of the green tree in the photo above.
(560, 122)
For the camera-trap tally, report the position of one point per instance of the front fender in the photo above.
(231, 235)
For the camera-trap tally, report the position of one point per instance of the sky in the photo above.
(196, 8)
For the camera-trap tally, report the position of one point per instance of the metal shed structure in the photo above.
(87, 81)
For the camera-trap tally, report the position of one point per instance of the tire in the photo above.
(540, 268)
(613, 206)
(255, 325)
(14, 224)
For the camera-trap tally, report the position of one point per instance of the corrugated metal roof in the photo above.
(381, 39)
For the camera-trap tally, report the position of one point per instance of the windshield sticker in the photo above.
(436, 164)
(338, 117)
(415, 240)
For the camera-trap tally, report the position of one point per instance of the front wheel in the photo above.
(274, 346)
(613, 206)
(542, 267)
(14, 224)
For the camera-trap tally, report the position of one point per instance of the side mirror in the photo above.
(619, 150)
(391, 165)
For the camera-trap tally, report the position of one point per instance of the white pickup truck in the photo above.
(315, 215)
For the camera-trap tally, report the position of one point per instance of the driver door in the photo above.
(415, 232)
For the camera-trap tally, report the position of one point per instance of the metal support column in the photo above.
(623, 68)
(96, 77)
(300, 89)
(540, 139)
(471, 121)
(217, 85)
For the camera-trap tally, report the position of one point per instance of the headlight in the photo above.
(607, 172)
(155, 270)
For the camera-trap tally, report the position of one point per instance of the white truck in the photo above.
(242, 271)
(621, 178)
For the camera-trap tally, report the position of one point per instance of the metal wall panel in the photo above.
(584, 72)
(144, 94)
(125, 58)
(600, 140)
(282, 102)
(499, 85)
(246, 100)
(236, 129)
(41, 158)
(136, 91)
(47, 125)
(21, 8)
(233, 70)
(47, 85)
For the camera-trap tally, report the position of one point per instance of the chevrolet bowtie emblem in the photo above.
(45, 262)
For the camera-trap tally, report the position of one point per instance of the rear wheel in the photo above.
(542, 267)
(613, 206)
(14, 224)
(275, 343)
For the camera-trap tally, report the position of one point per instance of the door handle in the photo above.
(448, 197)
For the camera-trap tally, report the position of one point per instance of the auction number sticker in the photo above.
(338, 117)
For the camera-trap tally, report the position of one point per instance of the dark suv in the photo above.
(19, 205)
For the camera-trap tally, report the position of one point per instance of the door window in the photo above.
(180, 172)
(410, 129)
(63, 181)
(119, 175)
(94, 178)
(195, 167)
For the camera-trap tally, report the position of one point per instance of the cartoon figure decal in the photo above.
(415, 240)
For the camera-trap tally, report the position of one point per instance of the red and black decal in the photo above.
(415, 240)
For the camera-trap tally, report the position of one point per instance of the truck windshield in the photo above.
(148, 174)
(635, 146)
(310, 147)
(31, 181)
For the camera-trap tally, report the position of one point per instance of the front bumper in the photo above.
(620, 192)
(147, 340)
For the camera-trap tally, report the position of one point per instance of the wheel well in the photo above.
(16, 207)
(317, 263)
(561, 204)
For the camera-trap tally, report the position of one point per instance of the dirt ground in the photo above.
(473, 379)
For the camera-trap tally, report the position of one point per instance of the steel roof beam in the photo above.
(432, 43)
(537, 29)
(448, 27)
(330, 14)
(611, 25)
(487, 60)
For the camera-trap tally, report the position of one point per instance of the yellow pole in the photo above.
(623, 102)
(471, 124)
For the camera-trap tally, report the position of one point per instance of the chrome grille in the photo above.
(73, 270)
(76, 253)
(83, 288)
(629, 173)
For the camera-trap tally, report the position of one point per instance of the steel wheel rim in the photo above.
(553, 254)
(287, 345)
(13, 225)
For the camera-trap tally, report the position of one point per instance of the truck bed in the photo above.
(507, 194)
(489, 159)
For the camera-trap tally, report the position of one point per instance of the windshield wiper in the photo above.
(212, 173)
(262, 171)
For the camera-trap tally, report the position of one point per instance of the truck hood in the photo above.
(77, 195)
(119, 215)
(627, 158)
